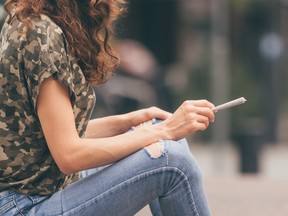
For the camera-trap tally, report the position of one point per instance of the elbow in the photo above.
(66, 170)
(66, 165)
(67, 158)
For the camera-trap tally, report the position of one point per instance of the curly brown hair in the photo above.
(87, 25)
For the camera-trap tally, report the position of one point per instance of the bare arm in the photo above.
(73, 153)
(118, 124)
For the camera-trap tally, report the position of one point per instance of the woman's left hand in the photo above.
(144, 115)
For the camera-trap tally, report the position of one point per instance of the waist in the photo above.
(5, 193)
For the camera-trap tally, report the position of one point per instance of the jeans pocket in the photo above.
(37, 199)
(7, 204)
(23, 203)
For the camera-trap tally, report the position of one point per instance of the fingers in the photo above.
(203, 120)
(199, 107)
(207, 112)
(201, 103)
(155, 112)
(200, 126)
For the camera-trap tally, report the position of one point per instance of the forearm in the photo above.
(118, 124)
(90, 153)
(108, 126)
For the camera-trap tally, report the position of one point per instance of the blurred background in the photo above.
(173, 50)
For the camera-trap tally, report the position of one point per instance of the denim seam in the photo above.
(153, 172)
(32, 200)
(16, 206)
(190, 190)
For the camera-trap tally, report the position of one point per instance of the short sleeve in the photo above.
(45, 56)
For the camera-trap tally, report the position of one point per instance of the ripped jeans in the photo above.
(171, 183)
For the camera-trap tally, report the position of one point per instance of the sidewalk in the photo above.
(247, 196)
(233, 194)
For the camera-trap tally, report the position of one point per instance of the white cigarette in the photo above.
(229, 104)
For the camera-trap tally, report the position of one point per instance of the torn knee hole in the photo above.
(156, 150)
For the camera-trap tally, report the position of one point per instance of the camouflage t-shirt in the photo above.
(26, 60)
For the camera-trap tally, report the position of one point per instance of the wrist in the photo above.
(129, 119)
(165, 130)
(144, 124)
(126, 122)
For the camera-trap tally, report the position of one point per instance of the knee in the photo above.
(180, 156)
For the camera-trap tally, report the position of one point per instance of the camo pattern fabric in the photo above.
(26, 60)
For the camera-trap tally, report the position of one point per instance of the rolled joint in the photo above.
(156, 149)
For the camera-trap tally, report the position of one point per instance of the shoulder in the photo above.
(46, 27)
(43, 34)
(46, 33)
(44, 44)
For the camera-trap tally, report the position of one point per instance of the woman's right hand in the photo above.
(191, 116)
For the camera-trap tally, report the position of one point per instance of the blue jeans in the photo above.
(171, 184)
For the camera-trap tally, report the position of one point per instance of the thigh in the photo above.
(88, 172)
(111, 190)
